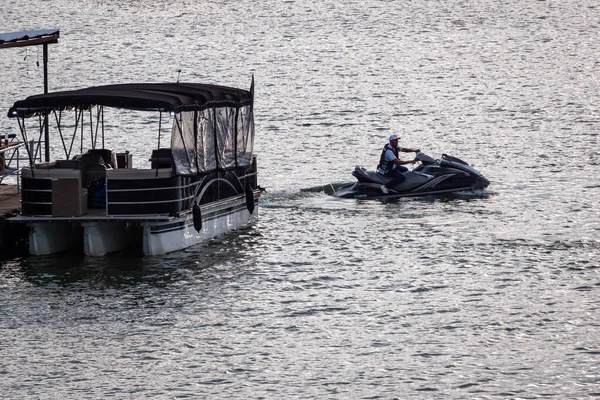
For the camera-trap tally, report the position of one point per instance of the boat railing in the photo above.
(12, 158)
(63, 188)
(133, 191)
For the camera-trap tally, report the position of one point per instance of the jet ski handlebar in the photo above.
(424, 158)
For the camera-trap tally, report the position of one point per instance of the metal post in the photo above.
(47, 131)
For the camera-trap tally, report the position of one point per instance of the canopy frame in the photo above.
(178, 99)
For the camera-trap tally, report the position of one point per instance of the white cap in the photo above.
(394, 137)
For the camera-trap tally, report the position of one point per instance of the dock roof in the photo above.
(29, 38)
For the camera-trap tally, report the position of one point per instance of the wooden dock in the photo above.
(13, 237)
(10, 199)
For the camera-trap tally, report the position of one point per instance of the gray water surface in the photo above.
(487, 294)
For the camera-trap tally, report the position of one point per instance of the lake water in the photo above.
(490, 294)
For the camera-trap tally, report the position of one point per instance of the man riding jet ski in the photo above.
(391, 166)
(449, 174)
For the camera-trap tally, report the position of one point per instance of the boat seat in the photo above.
(70, 164)
(135, 173)
(161, 158)
(95, 165)
(51, 173)
(91, 161)
(60, 164)
(46, 165)
(108, 157)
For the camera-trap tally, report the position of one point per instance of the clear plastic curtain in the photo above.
(245, 136)
(195, 151)
(182, 144)
(205, 144)
(225, 118)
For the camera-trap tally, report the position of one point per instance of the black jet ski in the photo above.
(448, 174)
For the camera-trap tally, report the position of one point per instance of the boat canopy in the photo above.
(213, 126)
(168, 97)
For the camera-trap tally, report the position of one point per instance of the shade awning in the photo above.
(168, 97)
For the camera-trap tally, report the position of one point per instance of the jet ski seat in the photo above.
(413, 178)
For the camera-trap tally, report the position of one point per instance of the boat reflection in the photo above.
(222, 258)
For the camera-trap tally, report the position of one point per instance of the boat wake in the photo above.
(327, 191)
(467, 194)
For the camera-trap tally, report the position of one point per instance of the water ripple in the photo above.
(475, 295)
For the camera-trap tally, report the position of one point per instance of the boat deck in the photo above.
(94, 215)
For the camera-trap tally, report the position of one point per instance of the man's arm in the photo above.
(405, 150)
(402, 162)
